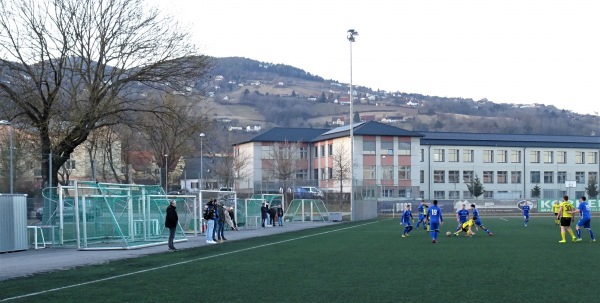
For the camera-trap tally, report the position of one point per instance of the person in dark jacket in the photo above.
(280, 215)
(272, 213)
(263, 214)
(171, 223)
(221, 223)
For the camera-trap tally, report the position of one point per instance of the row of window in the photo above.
(503, 156)
(502, 177)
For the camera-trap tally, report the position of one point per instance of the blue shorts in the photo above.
(407, 223)
(584, 222)
(421, 217)
(434, 226)
(526, 216)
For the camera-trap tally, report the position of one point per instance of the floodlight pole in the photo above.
(202, 135)
(166, 173)
(351, 37)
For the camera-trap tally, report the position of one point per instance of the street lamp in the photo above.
(5, 122)
(351, 35)
(201, 157)
(166, 173)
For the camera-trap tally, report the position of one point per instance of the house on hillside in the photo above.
(366, 118)
(338, 120)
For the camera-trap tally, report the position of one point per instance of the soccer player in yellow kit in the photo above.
(566, 216)
(555, 208)
(466, 227)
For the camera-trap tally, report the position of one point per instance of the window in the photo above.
(592, 157)
(488, 176)
(467, 195)
(515, 177)
(316, 174)
(535, 156)
(548, 177)
(422, 155)
(502, 156)
(488, 156)
(266, 152)
(593, 176)
(453, 155)
(534, 177)
(438, 155)
(580, 177)
(330, 149)
(515, 156)
(404, 172)
(502, 176)
(454, 194)
(369, 147)
(323, 151)
(323, 172)
(468, 155)
(579, 157)
(369, 172)
(422, 176)
(561, 177)
(70, 164)
(487, 194)
(561, 157)
(387, 172)
(439, 176)
(330, 173)
(387, 192)
(548, 156)
(303, 152)
(439, 194)
(468, 176)
(387, 148)
(453, 176)
(316, 151)
(404, 148)
(302, 174)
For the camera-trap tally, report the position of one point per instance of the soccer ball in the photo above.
(448, 234)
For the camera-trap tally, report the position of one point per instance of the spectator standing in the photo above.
(171, 221)
(263, 214)
(231, 212)
(280, 215)
(210, 216)
(272, 214)
(221, 222)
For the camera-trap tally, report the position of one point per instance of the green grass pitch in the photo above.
(364, 261)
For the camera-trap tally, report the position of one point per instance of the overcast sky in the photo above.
(509, 51)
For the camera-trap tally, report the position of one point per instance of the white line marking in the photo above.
(176, 264)
(503, 219)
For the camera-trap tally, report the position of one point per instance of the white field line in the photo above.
(176, 264)
(503, 219)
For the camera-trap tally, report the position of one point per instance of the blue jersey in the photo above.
(406, 216)
(463, 214)
(525, 210)
(434, 214)
(420, 211)
(584, 210)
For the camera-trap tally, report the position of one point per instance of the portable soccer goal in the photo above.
(104, 216)
(306, 210)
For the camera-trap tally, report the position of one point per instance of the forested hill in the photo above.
(249, 92)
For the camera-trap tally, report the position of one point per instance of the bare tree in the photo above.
(341, 167)
(283, 162)
(80, 65)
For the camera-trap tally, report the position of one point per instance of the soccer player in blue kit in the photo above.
(422, 210)
(435, 219)
(462, 216)
(405, 220)
(477, 220)
(525, 213)
(586, 219)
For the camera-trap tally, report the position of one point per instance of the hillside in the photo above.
(256, 93)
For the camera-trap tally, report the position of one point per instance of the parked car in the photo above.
(314, 192)
(307, 192)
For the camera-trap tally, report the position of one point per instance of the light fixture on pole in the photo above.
(201, 158)
(5, 122)
(351, 37)
(166, 173)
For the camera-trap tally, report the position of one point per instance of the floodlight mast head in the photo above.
(351, 35)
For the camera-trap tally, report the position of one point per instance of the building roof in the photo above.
(285, 134)
(508, 140)
(369, 128)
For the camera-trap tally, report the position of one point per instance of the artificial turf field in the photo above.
(365, 261)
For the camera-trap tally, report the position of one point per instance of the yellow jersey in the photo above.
(555, 208)
(567, 207)
(425, 208)
(467, 224)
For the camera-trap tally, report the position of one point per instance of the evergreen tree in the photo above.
(536, 191)
(592, 188)
(475, 188)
